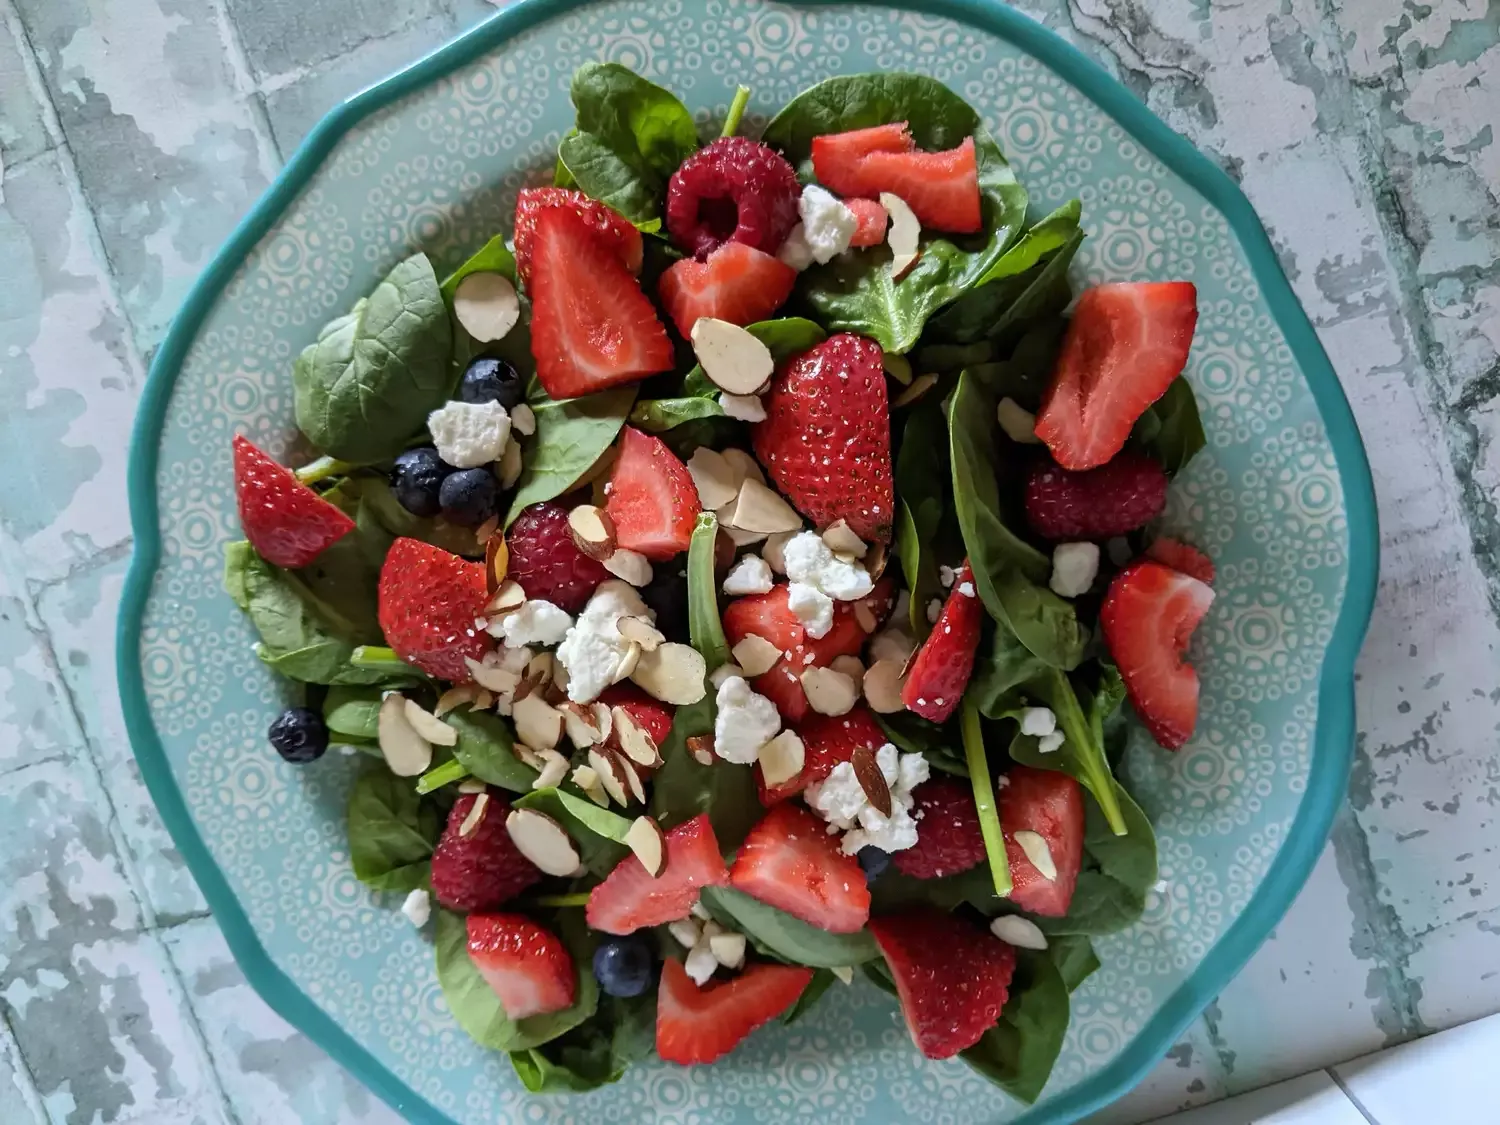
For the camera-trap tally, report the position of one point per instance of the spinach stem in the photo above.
(736, 111)
(580, 898)
(984, 798)
(322, 468)
(1087, 748)
(704, 625)
(445, 774)
(373, 656)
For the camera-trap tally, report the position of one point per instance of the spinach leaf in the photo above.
(486, 749)
(353, 711)
(1074, 956)
(392, 831)
(596, 1052)
(658, 415)
(894, 892)
(1117, 876)
(374, 375)
(921, 484)
(1171, 429)
(822, 980)
(912, 734)
(571, 435)
(855, 292)
(778, 934)
(704, 624)
(598, 834)
(476, 1007)
(492, 257)
(1001, 668)
(380, 520)
(630, 137)
(1018, 1053)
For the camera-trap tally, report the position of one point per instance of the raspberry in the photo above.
(1183, 558)
(732, 190)
(1120, 496)
(546, 562)
(948, 836)
(483, 869)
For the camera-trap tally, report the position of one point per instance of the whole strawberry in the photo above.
(286, 522)
(1127, 493)
(483, 869)
(429, 601)
(826, 440)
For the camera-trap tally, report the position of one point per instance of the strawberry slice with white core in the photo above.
(737, 283)
(652, 499)
(790, 861)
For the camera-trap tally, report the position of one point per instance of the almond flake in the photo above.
(829, 692)
(488, 528)
(672, 673)
(685, 931)
(496, 679)
(883, 683)
(405, 751)
(496, 561)
(527, 756)
(871, 780)
(701, 747)
(782, 758)
(850, 666)
(904, 234)
(487, 306)
(629, 659)
(611, 771)
(593, 531)
(581, 722)
(506, 599)
(538, 723)
(866, 617)
(876, 558)
(632, 775)
(429, 726)
(477, 810)
(1018, 423)
(759, 509)
(714, 478)
(728, 949)
(484, 699)
(731, 357)
(842, 540)
(1037, 852)
(723, 672)
(587, 779)
(554, 769)
(635, 739)
(630, 566)
(523, 419)
(742, 538)
(640, 631)
(1023, 933)
(543, 841)
(454, 698)
(755, 655)
(844, 972)
(472, 785)
(745, 466)
(510, 464)
(644, 837)
(919, 387)
(773, 551)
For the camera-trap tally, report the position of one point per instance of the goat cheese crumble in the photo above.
(840, 800)
(469, 434)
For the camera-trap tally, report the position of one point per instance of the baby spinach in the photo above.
(486, 749)
(571, 435)
(822, 980)
(855, 292)
(658, 415)
(1044, 291)
(630, 137)
(1171, 430)
(598, 834)
(921, 487)
(353, 711)
(778, 934)
(596, 1052)
(1002, 666)
(1074, 956)
(704, 624)
(1117, 876)
(369, 382)
(392, 831)
(380, 520)
(492, 257)
(1018, 1053)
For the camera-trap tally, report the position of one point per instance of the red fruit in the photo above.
(428, 601)
(652, 499)
(698, 1025)
(1148, 618)
(1050, 804)
(952, 977)
(738, 283)
(591, 326)
(872, 218)
(286, 522)
(732, 190)
(526, 964)
(1114, 499)
(826, 440)
(948, 837)
(615, 232)
(941, 188)
(546, 562)
(827, 740)
(1125, 345)
(629, 898)
(654, 716)
(482, 870)
(1183, 557)
(791, 862)
(938, 675)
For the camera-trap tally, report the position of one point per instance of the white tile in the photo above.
(1445, 1079)
(1312, 1099)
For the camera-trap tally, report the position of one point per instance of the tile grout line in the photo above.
(246, 85)
(25, 1081)
(1358, 1105)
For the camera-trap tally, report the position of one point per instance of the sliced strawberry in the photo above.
(591, 326)
(484, 869)
(652, 499)
(1126, 343)
(1050, 804)
(936, 680)
(526, 964)
(615, 232)
(941, 188)
(949, 839)
(872, 218)
(286, 522)
(826, 440)
(629, 898)
(737, 283)
(952, 977)
(791, 862)
(698, 1025)
(428, 602)
(827, 740)
(1182, 557)
(1148, 619)
(839, 151)
(654, 716)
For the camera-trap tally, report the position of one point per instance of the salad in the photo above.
(734, 573)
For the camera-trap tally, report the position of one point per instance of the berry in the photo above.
(873, 861)
(791, 862)
(826, 440)
(469, 496)
(484, 869)
(652, 499)
(666, 594)
(938, 675)
(732, 190)
(546, 562)
(952, 977)
(653, 716)
(872, 217)
(1050, 804)
(624, 966)
(1126, 342)
(698, 1025)
(1128, 492)
(1182, 557)
(827, 740)
(591, 326)
(416, 479)
(948, 837)
(492, 380)
(941, 188)
(526, 964)
(1148, 618)
(614, 232)
(299, 735)
(286, 522)
(630, 898)
(738, 283)
(428, 601)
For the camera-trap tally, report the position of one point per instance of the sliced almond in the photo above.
(844, 972)
(494, 678)
(541, 670)
(510, 465)
(829, 692)
(841, 539)
(523, 419)
(742, 538)
(672, 673)
(538, 723)
(484, 699)
(734, 359)
(611, 771)
(866, 617)
(475, 816)
(1021, 932)
(701, 747)
(714, 478)
(871, 780)
(593, 531)
(527, 756)
(640, 631)
(850, 666)
(757, 508)
(406, 752)
(774, 550)
(587, 779)
(755, 655)
(635, 739)
(724, 672)
(485, 530)
(472, 785)
(745, 467)
(487, 306)
(685, 931)
(454, 698)
(629, 659)
(581, 721)
(429, 726)
(876, 558)
(543, 841)
(904, 235)
(645, 838)
(632, 775)
(919, 387)
(496, 561)
(883, 682)
(728, 949)
(630, 566)
(554, 769)
(1036, 849)
(782, 758)
(507, 598)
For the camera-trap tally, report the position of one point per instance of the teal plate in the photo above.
(432, 158)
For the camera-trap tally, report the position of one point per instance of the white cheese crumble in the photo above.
(469, 434)
(809, 560)
(1050, 743)
(813, 607)
(947, 576)
(795, 251)
(746, 721)
(751, 575)
(593, 647)
(840, 800)
(744, 408)
(1074, 567)
(934, 610)
(417, 907)
(1037, 721)
(966, 589)
(827, 224)
(537, 622)
(700, 962)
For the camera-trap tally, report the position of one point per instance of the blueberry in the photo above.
(874, 861)
(667, 595)
(624, 966)
(418, 475)
(492, 380)
(469, 496)
(299, 735)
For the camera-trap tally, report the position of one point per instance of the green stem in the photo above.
(445, 774)
(736, 111)
(381, 659)
(322, 468)
(984, 798)
(1086, 747)
(704, 625)
(581, 898)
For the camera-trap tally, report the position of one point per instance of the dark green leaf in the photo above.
(352, 711)
(596, 1052)
(1018, 1053)
(894, 891)
(922, 483)
(821, 981)
(570, 437)
(1074, 956)
(704, 624)
(1002, 667)
(778, 934)
(392, 831)
(492, 257)
(486, 749)
(598, 834)
(1171, 429)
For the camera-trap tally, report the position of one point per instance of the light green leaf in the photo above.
(571, 435)
(779, 934)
